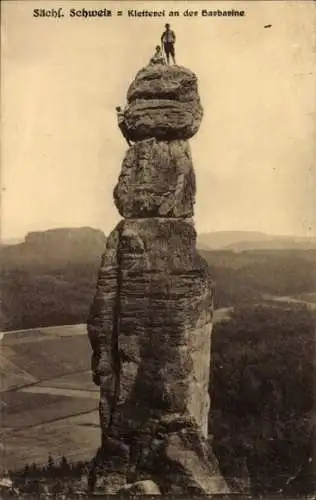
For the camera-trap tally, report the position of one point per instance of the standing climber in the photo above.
(168, 39)
(122, 124)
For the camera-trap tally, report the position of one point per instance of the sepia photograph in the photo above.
(158, 249)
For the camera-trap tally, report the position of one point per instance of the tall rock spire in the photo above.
(150, 321)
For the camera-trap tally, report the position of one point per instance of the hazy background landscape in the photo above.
(49, 278)
(262, 373)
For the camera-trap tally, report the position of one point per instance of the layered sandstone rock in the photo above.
(163, 102)
(159, 326)
(150, 321)
(157, 180)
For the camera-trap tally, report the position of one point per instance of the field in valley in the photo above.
(48, 401)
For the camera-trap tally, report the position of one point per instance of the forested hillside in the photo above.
(39, 291)
(262, 389)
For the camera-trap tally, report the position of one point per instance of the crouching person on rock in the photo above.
(158, 57)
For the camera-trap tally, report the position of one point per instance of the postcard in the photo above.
(158, 247)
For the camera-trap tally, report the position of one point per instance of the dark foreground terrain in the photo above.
(262, 378)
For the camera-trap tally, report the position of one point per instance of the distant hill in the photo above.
(50, 278)
(87, 244)
(238, 241)
(55, 246)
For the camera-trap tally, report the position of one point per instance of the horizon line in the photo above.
(21, 238)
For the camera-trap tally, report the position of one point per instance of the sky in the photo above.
(255, 152)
